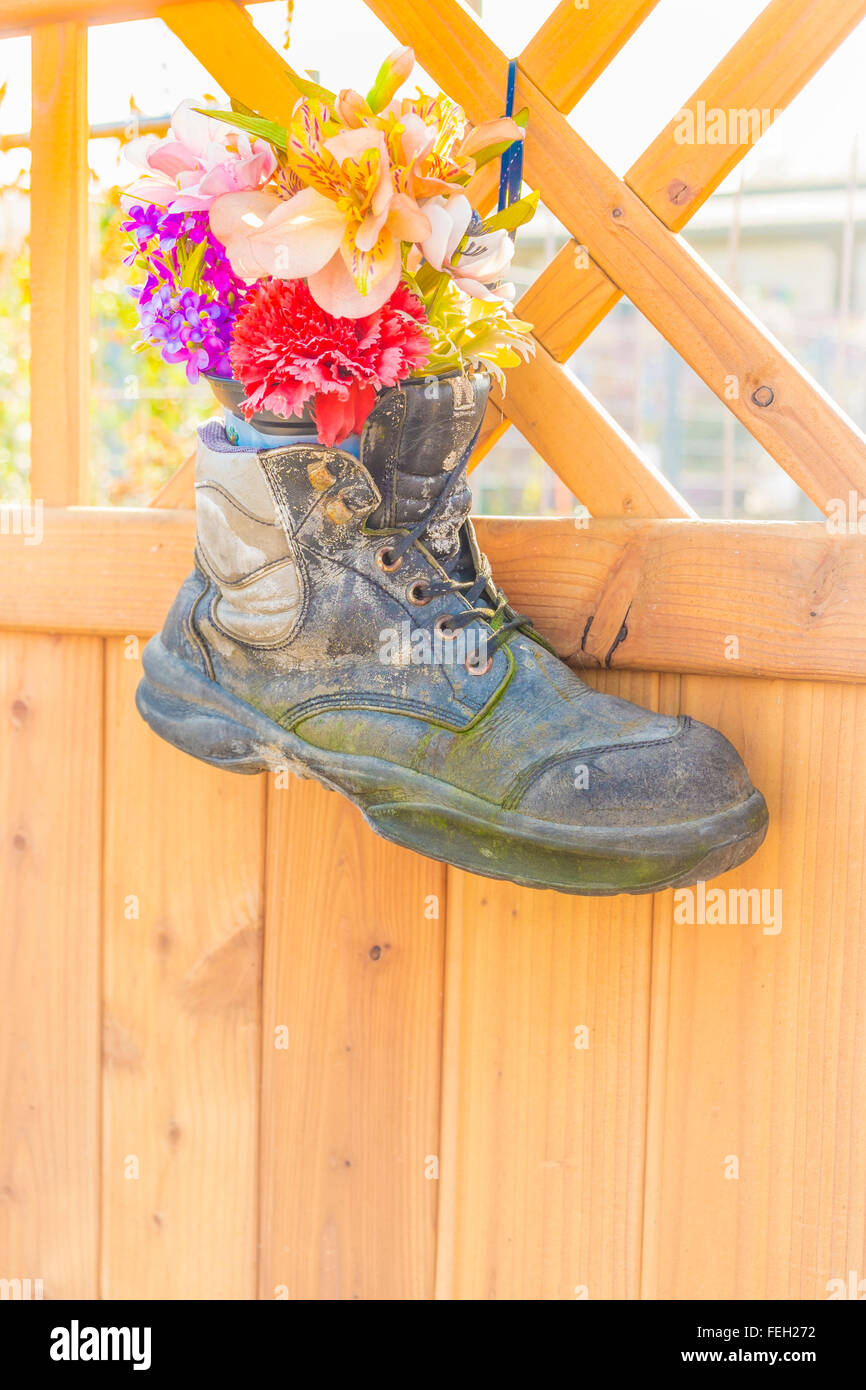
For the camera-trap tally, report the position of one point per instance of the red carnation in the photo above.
(286, 350)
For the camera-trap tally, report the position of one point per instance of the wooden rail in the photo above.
(23, 16)
(714, 597)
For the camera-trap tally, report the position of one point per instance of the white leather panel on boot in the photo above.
(243, 546)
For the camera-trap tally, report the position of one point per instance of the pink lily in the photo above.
(193, 164)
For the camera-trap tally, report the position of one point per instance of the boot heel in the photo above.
(200, 718)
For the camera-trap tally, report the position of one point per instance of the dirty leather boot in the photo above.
(340, 621)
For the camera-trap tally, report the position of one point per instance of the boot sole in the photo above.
(436, 819)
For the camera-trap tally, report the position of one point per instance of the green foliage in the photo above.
(514, 215)
(467, 332)
(257, 126)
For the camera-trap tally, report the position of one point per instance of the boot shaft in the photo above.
(415, 437)
(254, 508)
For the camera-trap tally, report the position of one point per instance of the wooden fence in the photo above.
(250, 1050)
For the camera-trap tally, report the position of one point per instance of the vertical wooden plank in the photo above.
(59, 268)
(543, 1140)
(184, 854)
(760, 1060)
(352, 1037)
(50, 824)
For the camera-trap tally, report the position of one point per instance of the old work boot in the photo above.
(341, 621)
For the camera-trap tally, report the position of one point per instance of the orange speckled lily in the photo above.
(341, 232)
(430, 150)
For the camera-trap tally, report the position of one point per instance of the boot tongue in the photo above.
(414, 438)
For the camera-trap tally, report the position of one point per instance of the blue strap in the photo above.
(511, 160)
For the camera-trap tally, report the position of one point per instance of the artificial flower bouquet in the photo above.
(318, 262)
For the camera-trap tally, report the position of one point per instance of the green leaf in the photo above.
(189, 274)
(427, 277)
(492, 152)
(253, 125)
(514, 215)
(308, 88)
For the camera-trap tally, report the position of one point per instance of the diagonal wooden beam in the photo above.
(24, 16)
(763, 72)
(779, 403)
(571, 49)
(768, 66)
(586, 447)
(594, 474)
(179, 490)
(226, 42)
(575, 44)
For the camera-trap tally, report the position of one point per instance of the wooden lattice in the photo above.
(628, 228)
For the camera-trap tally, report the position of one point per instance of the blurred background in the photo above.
(786, 232)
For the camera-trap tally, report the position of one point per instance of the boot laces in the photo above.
(470, 589)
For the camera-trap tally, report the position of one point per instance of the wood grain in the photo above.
(543, 1142)
(50, 835)
(759, 1038)
(792, 594)
(820, 447)
(95, 569)
(184, 864)
(20, 16)
(350, 1107)
(817, 445)
(416, 1040)
(568, 300)
(59, 267)
(765, 70)
(179, 490)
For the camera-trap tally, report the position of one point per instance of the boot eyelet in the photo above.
(474, 669)
(441, 626)
(415, 593)
(386, 560)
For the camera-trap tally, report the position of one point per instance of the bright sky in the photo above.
(658, 69)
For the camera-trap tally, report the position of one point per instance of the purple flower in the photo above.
(187, 314)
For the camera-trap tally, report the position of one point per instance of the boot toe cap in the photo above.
(692, 773)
